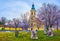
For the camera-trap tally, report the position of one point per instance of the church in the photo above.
(34, 22)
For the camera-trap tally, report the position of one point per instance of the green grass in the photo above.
(25, 36)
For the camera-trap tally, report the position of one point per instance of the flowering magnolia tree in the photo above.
(25, 21)
(49, 14)
(16, 23)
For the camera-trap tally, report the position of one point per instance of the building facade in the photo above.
(33, 21)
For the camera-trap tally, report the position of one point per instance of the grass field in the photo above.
(25, 36)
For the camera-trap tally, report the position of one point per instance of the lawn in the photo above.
(25, 36)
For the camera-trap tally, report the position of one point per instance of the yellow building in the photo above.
(10, 28)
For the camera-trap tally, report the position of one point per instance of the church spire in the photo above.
(33, 6)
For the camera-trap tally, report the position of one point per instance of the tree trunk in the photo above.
(3, 28)
(45, 29)
(50, 32)
(45, 32)
(16, 32)
(34, 34)
(57, 25)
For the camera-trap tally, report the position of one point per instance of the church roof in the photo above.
(33, 7)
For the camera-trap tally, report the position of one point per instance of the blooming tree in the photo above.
(48, 13)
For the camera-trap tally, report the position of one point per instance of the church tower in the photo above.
(33, 23)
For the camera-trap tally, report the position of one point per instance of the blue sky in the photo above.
(14, 8)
